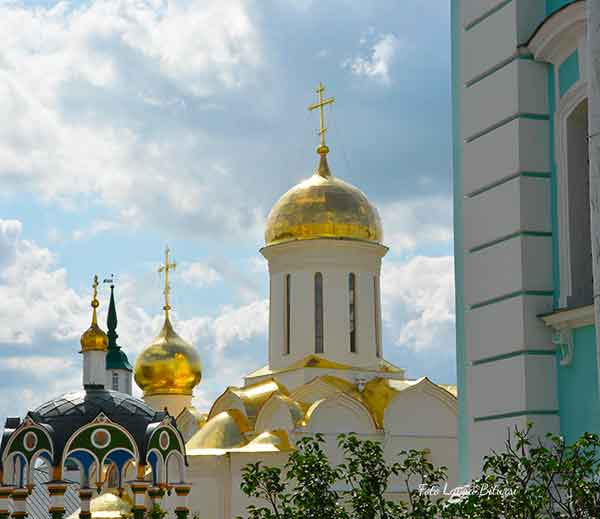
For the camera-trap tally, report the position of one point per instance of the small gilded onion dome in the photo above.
(323, 206)
(94, 339)
(168, 365)
(108, 506)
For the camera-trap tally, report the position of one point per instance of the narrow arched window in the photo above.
(377, 316)
(115, 381)
(352, 310)
(318, 312)
(286, 332)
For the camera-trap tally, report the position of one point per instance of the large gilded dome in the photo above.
(323, 206)
(168, 365)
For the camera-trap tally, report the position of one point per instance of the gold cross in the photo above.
(95, 302)
(95, 287)
(322, 149)
(165, 268)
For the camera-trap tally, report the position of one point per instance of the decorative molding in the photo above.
(101, 418)
(574, 318)
(486, 14)
(563, 322)
(559, 34)
(515, 414)
(564, 340)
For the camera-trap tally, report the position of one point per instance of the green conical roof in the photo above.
(115, 356)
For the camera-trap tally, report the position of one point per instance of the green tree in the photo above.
(535, 479)
(529, 479)
(368, 476)
(303, 489)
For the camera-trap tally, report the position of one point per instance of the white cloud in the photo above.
(97, 227)
(231, 324)
(36, 299)
(377, 63)
(418, 302)
(416, 222)
(82, 86)
(199, 274)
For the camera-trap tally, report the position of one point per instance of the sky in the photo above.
(128, 125)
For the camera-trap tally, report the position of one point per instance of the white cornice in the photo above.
(575, 318)
(559, 34)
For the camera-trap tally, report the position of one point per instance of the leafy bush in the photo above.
(530, 479)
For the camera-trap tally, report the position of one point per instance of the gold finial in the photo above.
(165, 268)
(322, 149)
(95, 302)
(94, 338)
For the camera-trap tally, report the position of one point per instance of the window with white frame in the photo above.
(575, 242)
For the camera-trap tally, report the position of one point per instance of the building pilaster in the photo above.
(19, 500)
(85, 496)
(5, 493)
(182, 491)
(57, 491)
(139, 489)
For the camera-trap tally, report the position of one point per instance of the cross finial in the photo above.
(165, 268)
(95, 302)
(95, 292)
(322, 149)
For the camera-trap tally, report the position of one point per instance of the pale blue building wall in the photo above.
(578, 388)
(579, 406)
(555, 5)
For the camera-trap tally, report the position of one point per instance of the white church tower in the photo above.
(323, 247)
(94, 344)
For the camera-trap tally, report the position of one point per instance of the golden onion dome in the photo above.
(168, 365)
(94, 339)
(108, 506)
(323, 206)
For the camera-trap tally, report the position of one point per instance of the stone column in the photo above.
(156, 494)
(139, 489)
(19, 499)
(182, 491)
(57, 490)
(85, 496)
(5, 493)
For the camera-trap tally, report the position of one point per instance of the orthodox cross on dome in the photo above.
(165, 268)
(322, 149)
(95, 302)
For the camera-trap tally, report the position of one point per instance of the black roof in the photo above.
(67, 413)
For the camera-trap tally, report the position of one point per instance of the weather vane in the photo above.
(322, 149)
(165, 268)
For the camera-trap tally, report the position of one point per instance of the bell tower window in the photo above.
(115, 381)
(352, 310)
(318, 312)
(287, 292)
(377, 316)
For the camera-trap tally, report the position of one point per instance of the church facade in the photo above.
(525, 91)
(325, 374)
